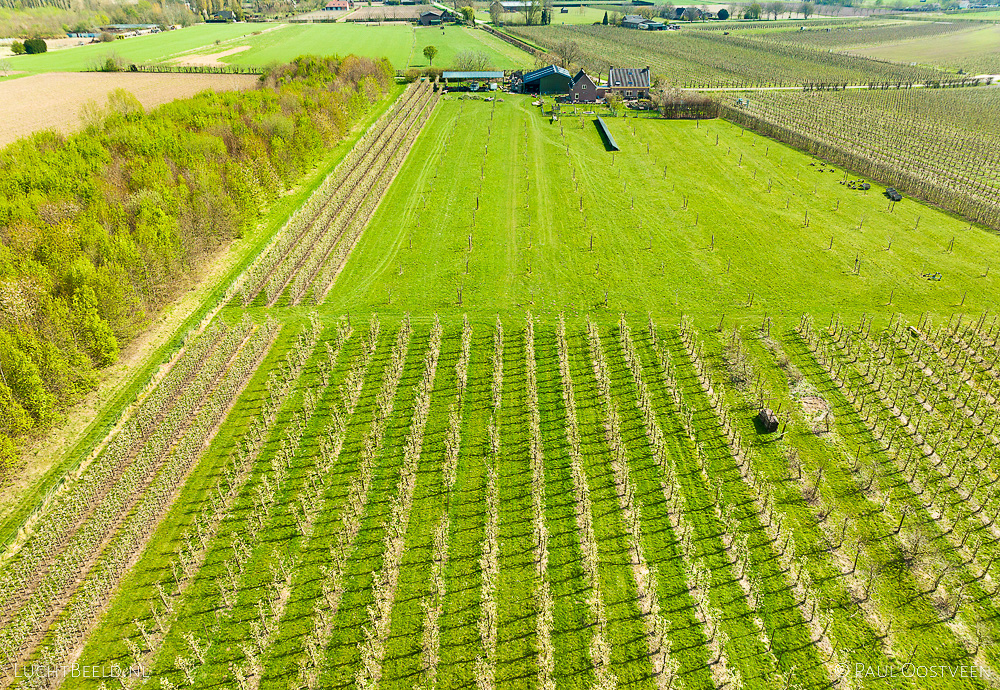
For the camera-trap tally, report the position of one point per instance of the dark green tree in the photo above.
(605, 22)
(34, 46)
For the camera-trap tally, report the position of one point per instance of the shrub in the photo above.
(35, 46)
(17, 48)
(106, 37)
(723, 14)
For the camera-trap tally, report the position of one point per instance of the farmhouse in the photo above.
(514, 5)
(630, 82)
(585, 90)
(431, 17)
(222, 16)
(338, 5)
(547, 80)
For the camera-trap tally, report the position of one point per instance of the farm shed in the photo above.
(547, 80)
(431, 17)
(338, 5)
(585, 89)
(632, 83)
(475, 80)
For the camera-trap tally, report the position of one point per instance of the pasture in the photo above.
(668, 236)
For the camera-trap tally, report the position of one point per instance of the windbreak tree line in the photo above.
(101, 229)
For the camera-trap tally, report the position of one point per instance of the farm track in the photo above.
(387, 165)
(337, 258)
(260, 273)
(331, 228)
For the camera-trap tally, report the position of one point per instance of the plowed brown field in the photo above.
(55, 100)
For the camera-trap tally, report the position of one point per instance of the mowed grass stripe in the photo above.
(627, 636)
(653, 255)
(403, 663)
(572, 631)
(517, 583)
(460, 639)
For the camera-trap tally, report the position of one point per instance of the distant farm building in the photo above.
(634, 21)
(547, 80)
(338, 6)
(222, 16)
(514, 5)
(431, 17)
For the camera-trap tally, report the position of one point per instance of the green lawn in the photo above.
(152, 48)
(531, 242)
(401, 43)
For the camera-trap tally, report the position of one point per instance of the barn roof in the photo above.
(546, 72)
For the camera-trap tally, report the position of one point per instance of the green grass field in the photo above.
(531, 241)
(270, 43)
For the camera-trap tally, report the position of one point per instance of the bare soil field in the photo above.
(210, 60)
(55, 100)
(389, 13)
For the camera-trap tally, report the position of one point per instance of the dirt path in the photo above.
(209, 60)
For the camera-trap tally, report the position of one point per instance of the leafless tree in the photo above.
(472, 61)
(568, 53)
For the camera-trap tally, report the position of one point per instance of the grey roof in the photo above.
(621, 77)
(436, 13)
(546, 72)
(471, 75)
